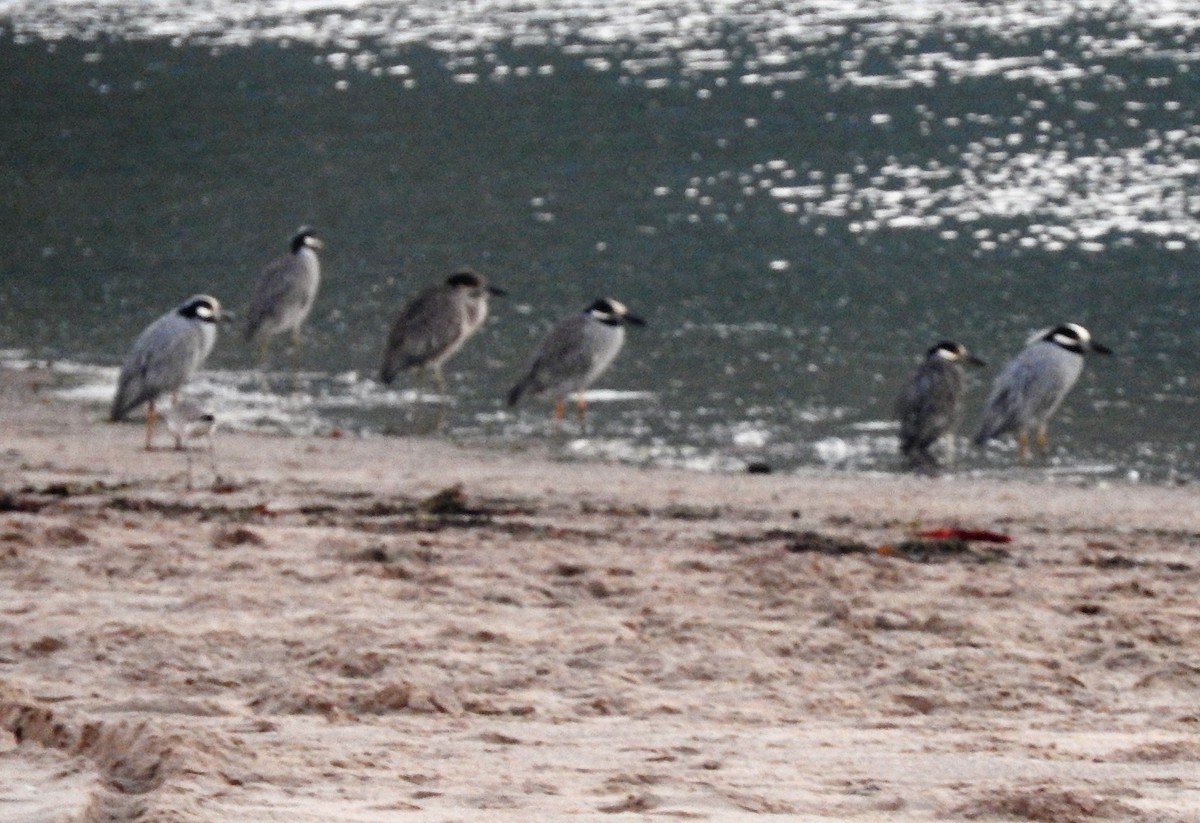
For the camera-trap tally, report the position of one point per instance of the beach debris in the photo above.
(133, 757)
(642, 802)
(1177, 676)
(818, 543)
(916, 550)
(237, 536)
(1113, 560)
(918, 703)
(66, 536)
(32, 499)
(10, 502)
(47, 644)
(1044, 803)
(500, 739)
(941, 550)
(451, 500)
(340, 704)
(955, 533)
(568, 569)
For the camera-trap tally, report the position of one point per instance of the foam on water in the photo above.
(301, 404)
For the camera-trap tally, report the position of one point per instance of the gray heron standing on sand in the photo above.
(930, 406)
(1033, 385)
(165, 356)
(284, 293)
(432, 326)
(575, 353)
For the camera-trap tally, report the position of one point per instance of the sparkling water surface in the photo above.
(799, 197)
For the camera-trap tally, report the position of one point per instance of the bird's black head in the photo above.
(305, 238)
(201, 307)
(613, 313)
(473, 280)
(1074, 338)
(953, 352)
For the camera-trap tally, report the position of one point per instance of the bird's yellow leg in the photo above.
(1043, 441)
(149, 424)
(439, 381)
(558, 410)
(188, 456)
(580, 406)
(212, 460)
(1022, 445)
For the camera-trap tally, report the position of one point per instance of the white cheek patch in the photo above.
(947, 354)
(1083, 334)
(618, 307)
(205, 313)
(1066, 341)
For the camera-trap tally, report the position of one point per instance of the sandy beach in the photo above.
(405, 629)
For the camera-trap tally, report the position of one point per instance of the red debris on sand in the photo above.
(981, 535)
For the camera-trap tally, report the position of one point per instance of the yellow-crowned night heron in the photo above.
(284, 293)
(930, 406)
(575, 353)
(164, 357)
(1031, 387)
(434, 325)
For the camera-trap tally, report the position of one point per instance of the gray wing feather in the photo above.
(426, 327)
(163, 357)
(282, 296)
(575, 350)
(930, 406)
(1028, 390)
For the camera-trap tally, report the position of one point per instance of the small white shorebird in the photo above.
(165, 356)
(187, 419)
(284, 293)
(575, 353)
(432, 326)
(1033, 385)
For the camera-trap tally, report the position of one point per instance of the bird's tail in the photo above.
(515, 393)
(997, 420)
(122, 403)
(986, 432)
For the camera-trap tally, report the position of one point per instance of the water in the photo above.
(799, 197)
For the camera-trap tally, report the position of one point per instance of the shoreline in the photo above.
(399, 628)
(869, 449)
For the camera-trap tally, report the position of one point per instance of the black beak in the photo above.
(497, 291)
(972, 360)
(1100, 348)
(226, 316)
(634, 320)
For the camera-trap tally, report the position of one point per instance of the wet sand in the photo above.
(404, 629)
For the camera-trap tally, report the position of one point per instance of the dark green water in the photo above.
(797, 216)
